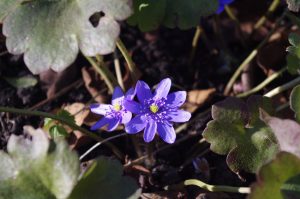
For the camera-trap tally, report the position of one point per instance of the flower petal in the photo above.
(163, 88)
(117, 96)
(180, 116)
(126, 117)
(150, 131)
(137, 124)
(113, 124)
(132, 106)
(166, 132)
(143, 91)
(101, 109)
(130, 94)
(176, 99)
(100, 123)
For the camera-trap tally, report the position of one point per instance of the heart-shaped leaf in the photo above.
(287, 133)
(150, 14)
(37, 169)
(51, 32)
(278, 179)
(104, 179)
(295, 102)
(236, 130)
(293, 5)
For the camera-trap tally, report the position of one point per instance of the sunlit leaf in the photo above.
(21, 82)
(50, 33)
(237, 131)
(37, 169)
(278, 179)
(294, 5)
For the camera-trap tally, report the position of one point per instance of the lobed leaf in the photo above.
(278, 179)
(50, 33)
(150, 14)
(37, 169)
(295, 102)
(237, 131)
(293, 5)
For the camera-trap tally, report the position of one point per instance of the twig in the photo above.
(251, 56)
(217, 188)
(99, 143)
(64, 121)
(129, 61)
(195, 42)
(58, 94)
(263, 84)
(271, 9)
(102, 73)
(283, 88)
(118, 71)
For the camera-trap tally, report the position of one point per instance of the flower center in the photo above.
(154, 108)
(117, 107)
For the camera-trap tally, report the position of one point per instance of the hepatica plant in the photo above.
(154, 112)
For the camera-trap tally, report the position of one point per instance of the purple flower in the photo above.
(156, 112)
(113, 113)
(222, 4)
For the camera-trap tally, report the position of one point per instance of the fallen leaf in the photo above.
(197, 98)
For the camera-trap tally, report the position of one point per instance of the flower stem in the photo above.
(271, 9)
(217, 188)
(103, 73)
(131, 66)
(195, 42)
(263, 84)
(118, 71)
(251, 56)
(283, 88)
(64, 121)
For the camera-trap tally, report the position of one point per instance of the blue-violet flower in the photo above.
(113, 113)
(156, 112)
(222, 4)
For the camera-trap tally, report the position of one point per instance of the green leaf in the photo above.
(295, 102)
(37, 169)
(237, 131)
(278, 179)
(21, 82)
(187, 14)
(54, 42)
(57, 131)
(293, 58)
(150, 14)
(66, 116)
(104, 179)
(286, 131)
(293, 5)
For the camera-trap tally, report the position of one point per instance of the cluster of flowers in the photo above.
(222, 4)
(154, 112)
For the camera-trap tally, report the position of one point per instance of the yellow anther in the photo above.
(154, 108)
(117, 107)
